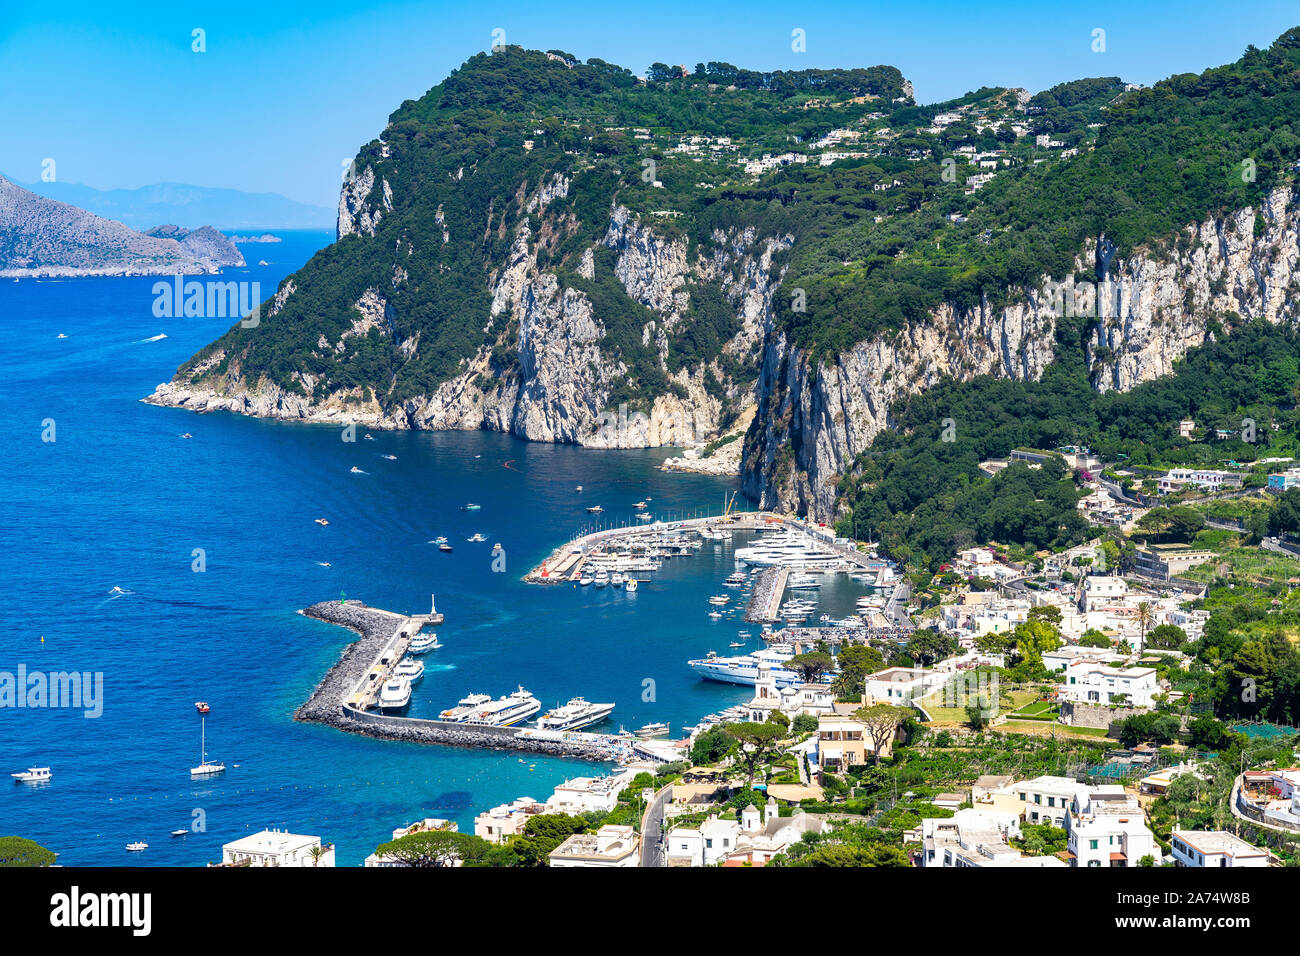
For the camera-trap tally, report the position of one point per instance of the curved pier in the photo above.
(343, 696)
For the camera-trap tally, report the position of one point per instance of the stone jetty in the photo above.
(333, 702)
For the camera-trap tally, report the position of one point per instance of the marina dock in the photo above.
(765, 600)
(347, 692)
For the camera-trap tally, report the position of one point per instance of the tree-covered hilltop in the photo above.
(1157, 160)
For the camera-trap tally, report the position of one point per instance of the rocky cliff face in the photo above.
(814, 418)
(1157, 304)
(565, 371)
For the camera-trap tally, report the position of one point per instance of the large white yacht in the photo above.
(744, 669)
(578, 712)
(502, 712)
(789, 549)
(395, 695)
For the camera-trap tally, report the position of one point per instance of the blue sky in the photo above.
(287, 89)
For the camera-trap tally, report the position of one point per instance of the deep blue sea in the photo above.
(118, 499)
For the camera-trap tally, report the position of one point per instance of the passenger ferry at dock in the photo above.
(395, 695)
(502, 712)
(410, 669)
(578, 712)
(744, 669)
(424, 642)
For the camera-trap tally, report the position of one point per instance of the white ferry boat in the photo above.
(744, 669)
(32, 775)
(504, 711)
(578, 712)
(734, 580)
(395, 695)
(423, 643)
(720, 599)
(410, 669)
(464, 707)
(652, 730)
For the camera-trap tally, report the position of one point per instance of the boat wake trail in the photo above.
(155, 338)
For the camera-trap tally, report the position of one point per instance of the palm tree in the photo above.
(316, 852)
(1144, 618)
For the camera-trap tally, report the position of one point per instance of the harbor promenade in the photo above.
(344, 697)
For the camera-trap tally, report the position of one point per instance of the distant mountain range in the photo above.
(189, 206)
(45, 237)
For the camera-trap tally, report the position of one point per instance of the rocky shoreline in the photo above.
(375, 629)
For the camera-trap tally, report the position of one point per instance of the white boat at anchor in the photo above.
(32, 775)
(578, 712)
(395, 695)
(137, 847)
(206, 767)
(601, 578)
(631, 584)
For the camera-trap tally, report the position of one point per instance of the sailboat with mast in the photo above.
(206, 767)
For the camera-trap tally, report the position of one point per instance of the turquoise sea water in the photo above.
(120, 500)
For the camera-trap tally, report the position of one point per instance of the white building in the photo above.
(610, 846)
(276, 848)
(1044, 799)
(898, 685)
(1206, 848)
(501, 823)
(583, 794)
(1107, 828)
(1087, 682)
(976, 838)
(754, 839)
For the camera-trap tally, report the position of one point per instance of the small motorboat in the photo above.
(202, 706)
(177, 833)
(736, 644)
(716, 615)
(441, 539)
(470, 507)
(595, 509)
(578, 489)
(357, 471)
(389, 457)
(137, 846)
(444, 547)
(368, 437)
(585, 580)
(476, 537)
(720, 599)
(640, 505)
(187, 435)
(32, 775)
(322, 522)
(631, 584)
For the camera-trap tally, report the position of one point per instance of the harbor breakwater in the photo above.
(376, 629)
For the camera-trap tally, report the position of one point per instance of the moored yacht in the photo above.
(631, 583)
(652, 730)
(578, 712)
(734, 580)
(803, 582)
(744, 669)
(601, 578)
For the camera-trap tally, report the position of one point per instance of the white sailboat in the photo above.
(206, 767)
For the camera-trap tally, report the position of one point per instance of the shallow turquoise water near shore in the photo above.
(120, 500)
